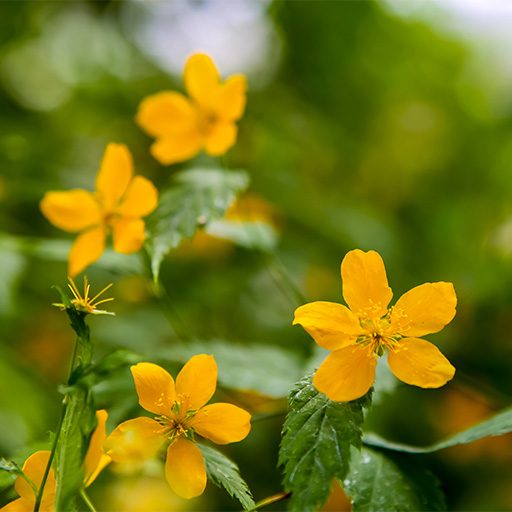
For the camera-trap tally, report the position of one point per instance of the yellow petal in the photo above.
(177, 148)
(166, 113)
(72, 211)
(201, 79)
(346, 374)
(220, 138)
(185, 469)
(222, 423)
(34, 468)
(140, 199)
(19, 505)
(425, 309)
(155, 388)
(365, 285)
(135, 440)
(197, 380)
(95, 458)
(115, 174)
(231, 98)
(128, 235)
(420, 363)
(331, 325)
(86, 249)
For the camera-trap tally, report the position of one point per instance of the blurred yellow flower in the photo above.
(34, 469)
(183, 126)
(180, 414)
(117, 207)
(95, 461)
(359, 335)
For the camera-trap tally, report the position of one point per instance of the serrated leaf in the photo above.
(497, 425)
(318, 435)
(251, 235)
(266, 369)
(198, 197)
(223, 472)
(379, 483)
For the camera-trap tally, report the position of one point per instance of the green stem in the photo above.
(39, 494)
(78, 419)
(275, 498)
(87, 500)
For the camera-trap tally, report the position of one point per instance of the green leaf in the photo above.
(497, 425)
(10, 466)
(223, 472)
(251, 235)
(266, 369)
(316, 447)
(378, 483)
(198, 197)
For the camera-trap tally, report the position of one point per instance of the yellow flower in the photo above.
(180, 414)
(117, 207)
(357, 336)
(183, 126)
(95, 461)
(34, 469)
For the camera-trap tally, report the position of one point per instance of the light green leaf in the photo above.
(318, 435)
(198, 197)
(266, 369)
(251, 235)
(497, 425)
(377, 483)
(10, 466)
(223, 472)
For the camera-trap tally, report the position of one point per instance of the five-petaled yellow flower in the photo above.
(357, 336)
(183, 126)
(117, 207)
(34, 467)
(180, 414)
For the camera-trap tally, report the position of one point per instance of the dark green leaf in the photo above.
(316, 447)
(223, 472)
(377, 483)
(198, 197)
(497, 425)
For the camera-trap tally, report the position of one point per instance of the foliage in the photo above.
(225, 473)
(377, 482)
(199, 196)
(318, 436)
(497, 425)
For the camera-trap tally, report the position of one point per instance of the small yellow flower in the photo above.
(95, 461)
(34, 468)
(84, 303)
(180, 414)
(359, 335)
(117, 207)
(183, 126)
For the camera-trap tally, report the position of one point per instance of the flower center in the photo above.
(377, 337)
(206, 121)
(177, 423)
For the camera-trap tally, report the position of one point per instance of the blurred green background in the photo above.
(372, 125)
